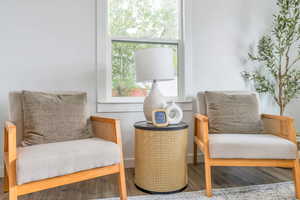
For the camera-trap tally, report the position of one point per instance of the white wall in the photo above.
(50, 45)
(47, 45)
(222, 32)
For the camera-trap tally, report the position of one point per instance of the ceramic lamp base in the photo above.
(154, 100)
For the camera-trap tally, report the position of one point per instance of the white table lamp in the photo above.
(154, 64)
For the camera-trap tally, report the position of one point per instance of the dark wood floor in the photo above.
(107, 186)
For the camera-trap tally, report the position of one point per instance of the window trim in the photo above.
(103, 60)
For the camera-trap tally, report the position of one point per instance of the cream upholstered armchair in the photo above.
(37, 167)
(274, 146)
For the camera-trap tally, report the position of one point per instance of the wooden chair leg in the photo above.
(195, 154)
(12, 194)
(5, 179)
(12, 190)
(296, 173)
(12, 183)
(122, 183)
(208, 187)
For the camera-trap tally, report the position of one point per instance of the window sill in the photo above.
(123, 106)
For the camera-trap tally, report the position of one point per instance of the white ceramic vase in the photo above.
(154, 100)
(174, 113)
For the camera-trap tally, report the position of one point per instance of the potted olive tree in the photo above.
(277, 56)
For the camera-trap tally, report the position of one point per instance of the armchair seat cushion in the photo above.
(251, 146)
(56, 159)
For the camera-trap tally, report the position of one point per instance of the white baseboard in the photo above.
(129, 162)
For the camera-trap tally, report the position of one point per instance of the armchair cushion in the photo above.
(56, 159)
(53, 117)
(251, 146)
(232, 112)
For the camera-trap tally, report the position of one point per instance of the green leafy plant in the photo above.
(278, 54)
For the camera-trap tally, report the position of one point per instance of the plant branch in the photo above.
(287, 60)
(294, 62)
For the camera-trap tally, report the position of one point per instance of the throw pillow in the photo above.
(233, 112)
(50, 117)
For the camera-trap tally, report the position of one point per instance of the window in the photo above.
(131, 25)
(138, 24)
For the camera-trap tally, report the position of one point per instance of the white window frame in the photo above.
(103, 57)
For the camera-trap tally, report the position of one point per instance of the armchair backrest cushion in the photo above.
(16, 113)
(201, 102)
(231, 111)
(49, 117)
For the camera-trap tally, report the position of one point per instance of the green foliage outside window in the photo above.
(123, 68)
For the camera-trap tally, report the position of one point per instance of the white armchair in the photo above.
(274, 147)
(38, 167)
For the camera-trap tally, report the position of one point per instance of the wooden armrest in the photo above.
(277, 117)
(107, 128)
(281, 126)
(10, 143)
(200, 117)
(104, 119)
(10, 125)
(201, 131)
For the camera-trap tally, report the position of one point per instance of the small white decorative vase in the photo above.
(154, 100)
(174, 113)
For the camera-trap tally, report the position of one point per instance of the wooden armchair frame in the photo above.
(105, 128)
(277, 125)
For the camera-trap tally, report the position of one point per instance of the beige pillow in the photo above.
(52, 117)
(232, 112)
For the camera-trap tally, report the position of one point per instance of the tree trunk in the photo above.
(282, 109)
(280, 98)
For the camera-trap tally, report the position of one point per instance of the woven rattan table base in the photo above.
(160, 160)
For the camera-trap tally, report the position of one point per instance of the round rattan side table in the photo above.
(160, 158)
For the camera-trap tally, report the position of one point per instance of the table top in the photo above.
(172, 127)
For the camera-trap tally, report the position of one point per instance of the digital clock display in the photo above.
(160, 117)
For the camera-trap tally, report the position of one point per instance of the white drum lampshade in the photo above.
(154, 64)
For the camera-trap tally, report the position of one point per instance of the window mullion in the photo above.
(144, 40)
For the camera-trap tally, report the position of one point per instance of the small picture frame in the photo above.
(160, 118)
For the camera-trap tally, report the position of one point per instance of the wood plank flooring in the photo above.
(108, 186)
